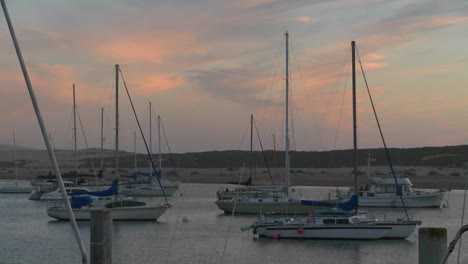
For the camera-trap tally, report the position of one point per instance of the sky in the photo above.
(207, 65)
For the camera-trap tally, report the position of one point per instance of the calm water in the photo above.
(28, 235)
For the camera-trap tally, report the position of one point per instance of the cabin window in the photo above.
(290, 200)
(399, 191)
(390, 189)
(329, 221)
(260, 200)
(275, 200)
(342, 221)
(380, 189)
(238, 200)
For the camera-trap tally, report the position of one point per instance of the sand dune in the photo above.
(36, 162)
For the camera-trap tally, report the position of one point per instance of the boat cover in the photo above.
(78, 201)
(113, 190)
(351, 204)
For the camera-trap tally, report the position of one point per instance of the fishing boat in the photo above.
(123, 208)
(389, 192)
(336, 223)
(395, 192)
(274, 199)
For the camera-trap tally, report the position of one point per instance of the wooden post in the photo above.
(432, 244)
(101, 237)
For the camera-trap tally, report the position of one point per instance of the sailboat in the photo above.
(15, 188)
(273, 199)
(336, 223)
(47, 189)
(122, 208)
(147, 187)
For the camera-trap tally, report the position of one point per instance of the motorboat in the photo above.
(396, 192)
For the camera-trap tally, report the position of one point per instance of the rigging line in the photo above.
(86, 143)
(342, 102)
(382, 137)
(70, 117)
(274, 71)
(142, 135)
(263, 154)
(109, 106)
(232, 214)
(463, 214)
(178, 217)
(332, 100)
(244, 133)
(171, 157)
(291, 111)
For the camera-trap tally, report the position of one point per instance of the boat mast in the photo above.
(117, 119)
(353, 58)
(102, 140)
(74, 130)
(151, 143)
(134, 149)
(159, 147)
(251, 144)
(286, 182)
(84, 258)
(14, 157)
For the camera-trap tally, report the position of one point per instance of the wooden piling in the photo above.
(432, 244)
(101, 237)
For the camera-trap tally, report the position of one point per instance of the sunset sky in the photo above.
(207, 65)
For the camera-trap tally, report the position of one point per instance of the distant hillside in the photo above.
(5, 147)
(449, 156)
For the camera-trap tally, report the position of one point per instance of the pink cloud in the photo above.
(447, 21)
(153, 84)
(131, 48)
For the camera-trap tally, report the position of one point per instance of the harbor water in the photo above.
(194, 230)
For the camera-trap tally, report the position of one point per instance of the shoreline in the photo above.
(421, 177)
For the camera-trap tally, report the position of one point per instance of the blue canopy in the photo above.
(113, 190)
(77, 201)
(351, 204)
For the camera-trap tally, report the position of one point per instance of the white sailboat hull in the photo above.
(323, 232)
(400, 230)
(118, 214)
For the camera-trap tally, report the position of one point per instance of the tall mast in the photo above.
(134, 149)
(159, 146)
(251, 144)
(286, 163)
(14, 158)
(52, 157)
(151, 142)
(353, 58)
(117, 119)
(102, 140)
(74, 129)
